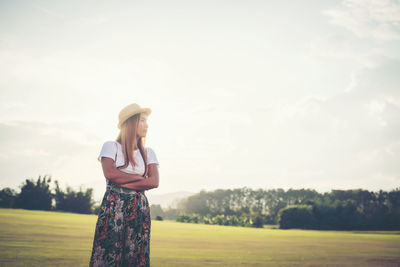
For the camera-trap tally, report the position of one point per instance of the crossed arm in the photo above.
(127, 180)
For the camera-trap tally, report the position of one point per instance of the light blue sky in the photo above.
(264, 94)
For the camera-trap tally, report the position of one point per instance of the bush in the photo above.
(296, 216)
(219, 219)
(194, 218)
(258, 221)
(183, 217)
(207, 219)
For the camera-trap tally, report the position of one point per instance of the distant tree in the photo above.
(196, 203)
(7, 197)
(346, 212)
(156, 210)
(171, 213)
(393, 209)
(259, 201)
(35, 196)
(79, 202)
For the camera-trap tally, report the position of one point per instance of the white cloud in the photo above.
(347, 49)
(377, 19)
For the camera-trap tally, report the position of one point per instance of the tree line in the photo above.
(294, 208)
(37, 195)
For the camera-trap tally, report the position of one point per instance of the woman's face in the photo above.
(142, 126)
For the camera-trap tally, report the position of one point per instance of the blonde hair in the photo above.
(127, 138)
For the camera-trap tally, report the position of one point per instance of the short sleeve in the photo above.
(108, 150)
(151, 156)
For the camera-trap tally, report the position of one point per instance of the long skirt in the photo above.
(122, 236)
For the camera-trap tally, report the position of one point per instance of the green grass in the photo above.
(41, 238)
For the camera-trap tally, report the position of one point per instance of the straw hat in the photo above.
(129, 111)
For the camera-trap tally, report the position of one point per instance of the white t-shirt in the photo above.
(113, 149)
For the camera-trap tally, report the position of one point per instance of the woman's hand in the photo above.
(146, 183)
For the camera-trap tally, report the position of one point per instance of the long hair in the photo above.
(127, 138)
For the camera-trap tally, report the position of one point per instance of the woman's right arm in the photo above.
(112, 173)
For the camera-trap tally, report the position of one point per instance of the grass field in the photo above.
(41, 238)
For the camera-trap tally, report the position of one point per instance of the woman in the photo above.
(122, 235)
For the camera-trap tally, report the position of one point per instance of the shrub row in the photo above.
(221, 219)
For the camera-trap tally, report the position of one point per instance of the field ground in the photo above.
(41, 238)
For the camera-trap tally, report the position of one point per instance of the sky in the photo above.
(262, 94)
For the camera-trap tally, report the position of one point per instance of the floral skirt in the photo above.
(122, 236)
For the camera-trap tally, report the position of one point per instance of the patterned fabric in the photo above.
(122, 236)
